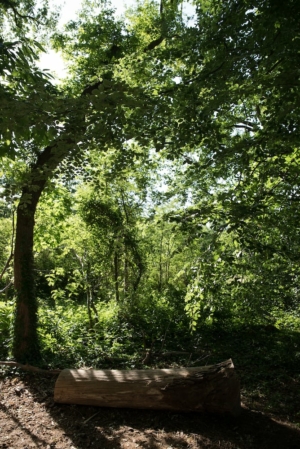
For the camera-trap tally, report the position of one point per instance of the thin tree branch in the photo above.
(249, 128)
(274, 66)
(31, 368)
(11, 252)
(5, 288)
(6, 265)
(12, 243)
(18, 16)
(206, 74)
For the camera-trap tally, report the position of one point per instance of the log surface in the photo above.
(213, 388)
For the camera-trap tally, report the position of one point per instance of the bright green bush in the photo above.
(6, 320)
(66, 337)
(121, 331)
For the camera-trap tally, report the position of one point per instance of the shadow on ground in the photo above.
(83, 427)
(267, 362)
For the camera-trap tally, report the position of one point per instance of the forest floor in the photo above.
(29, 418)
(267, 362)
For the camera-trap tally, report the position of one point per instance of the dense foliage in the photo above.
(151, 199)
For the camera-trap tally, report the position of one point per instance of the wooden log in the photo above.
(212, 388)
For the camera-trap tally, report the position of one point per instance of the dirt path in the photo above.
(30, 419)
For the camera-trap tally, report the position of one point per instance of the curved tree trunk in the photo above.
(25, 344)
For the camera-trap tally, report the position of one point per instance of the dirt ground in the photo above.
(29, 418)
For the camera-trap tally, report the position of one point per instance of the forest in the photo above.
(149, 200)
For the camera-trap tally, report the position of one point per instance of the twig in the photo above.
(12, 243)
(7, 286)
(18, 16)
(168, 353)
(31, 368)
(189, 359)
(91, 417)
(164, 339)
(6, 265)
(202, 358)
(11, 253)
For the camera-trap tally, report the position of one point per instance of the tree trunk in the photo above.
(25, 345)
(205, 389)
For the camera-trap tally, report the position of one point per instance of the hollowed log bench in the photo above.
(213, 388)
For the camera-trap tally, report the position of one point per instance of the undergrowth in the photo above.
(266, 357)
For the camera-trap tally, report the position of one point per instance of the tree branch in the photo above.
(6, 266)
(155, 43)
(31, 368)
(5, 288)
(248, 128)
(274, 66)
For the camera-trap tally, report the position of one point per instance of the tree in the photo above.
(96, 108)
(23, 91)
(218, 96)
(238, 123)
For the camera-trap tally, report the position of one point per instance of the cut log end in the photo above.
(213, 388)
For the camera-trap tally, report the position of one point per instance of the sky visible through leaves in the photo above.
(53, 60)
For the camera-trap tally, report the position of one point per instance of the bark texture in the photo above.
(212, 388)
(25, 345)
